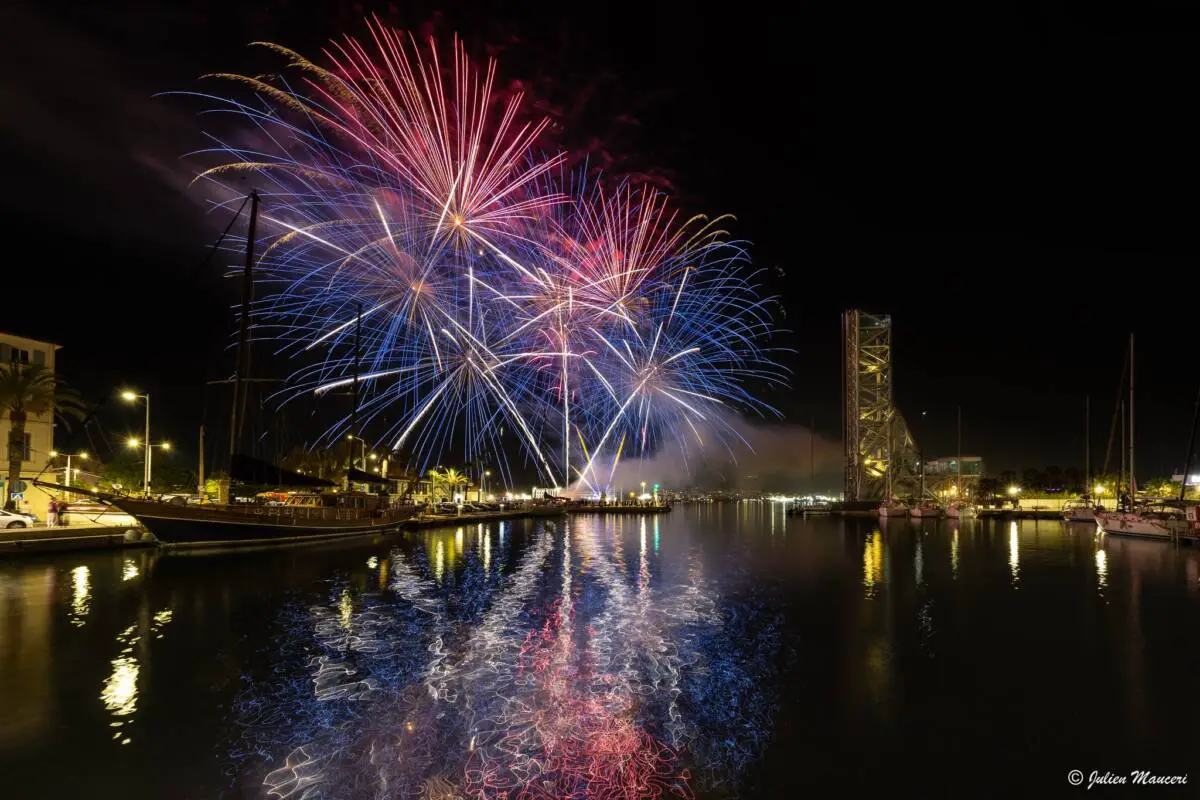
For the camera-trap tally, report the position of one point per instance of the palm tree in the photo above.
(31, 389)
(448, 479)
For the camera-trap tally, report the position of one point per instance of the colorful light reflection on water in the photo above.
(568, 669)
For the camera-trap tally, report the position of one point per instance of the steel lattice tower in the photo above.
(876, 438)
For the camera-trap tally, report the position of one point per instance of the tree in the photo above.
(1161, 487)
(1053, 478)
(32, 389)
(447, 480)
(1033, 478)
(123, 472)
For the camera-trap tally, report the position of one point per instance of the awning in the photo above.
(246, 469)
(358, 476)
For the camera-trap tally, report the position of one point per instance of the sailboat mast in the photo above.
(1121, 480)
(354, 433)
(1132, 479)
(357, 367)
(1087, 445)
(958, 459)
(200, 474)
(812, 449)
(243, 356)
(1187, 461)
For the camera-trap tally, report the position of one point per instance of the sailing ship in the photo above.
(1160, 520)
(317, 512)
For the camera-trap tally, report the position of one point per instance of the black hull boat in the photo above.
(227, 526)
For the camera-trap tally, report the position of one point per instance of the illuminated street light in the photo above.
(1099, 489)
(132, 397)
(81, 455)
(1014, 490)
(131, 442)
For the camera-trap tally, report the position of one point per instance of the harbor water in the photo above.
(719, 650)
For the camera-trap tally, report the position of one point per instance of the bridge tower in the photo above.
(877, 440)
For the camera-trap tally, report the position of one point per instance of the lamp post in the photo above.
(132, 397)
(134, 443)
(487, 473)
(82, 456)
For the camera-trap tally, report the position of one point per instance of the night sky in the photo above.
(1017, 191)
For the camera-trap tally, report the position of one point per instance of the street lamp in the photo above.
(1014, 490)
(487, 473)
(132, 397)
(134, 442)
(81, 455)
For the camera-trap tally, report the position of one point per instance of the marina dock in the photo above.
(617, 509)
(85, 536)
(75, 537)
(1019, 513)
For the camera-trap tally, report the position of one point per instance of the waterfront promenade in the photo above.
(119, 531)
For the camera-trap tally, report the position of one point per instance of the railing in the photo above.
(311, 512)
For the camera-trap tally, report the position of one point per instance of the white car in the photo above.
(16, 519)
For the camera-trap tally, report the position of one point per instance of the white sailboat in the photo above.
(1159, 521)
(924, 508)
(960, 509)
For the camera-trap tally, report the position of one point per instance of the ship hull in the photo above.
(223, 526)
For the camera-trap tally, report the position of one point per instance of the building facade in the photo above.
(39, 429)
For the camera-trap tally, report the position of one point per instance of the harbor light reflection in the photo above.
(873, 563)
(1014, 560)
(954, 554)
(81, 595)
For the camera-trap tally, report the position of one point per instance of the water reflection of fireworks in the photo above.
(575, 673)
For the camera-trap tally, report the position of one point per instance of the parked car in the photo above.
(16, 519)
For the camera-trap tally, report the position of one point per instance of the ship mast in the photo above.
(1132, 479)
(958, 460)
(1087, 446)
(242, 375)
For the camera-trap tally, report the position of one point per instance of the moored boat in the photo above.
(1161, 523)
(893, 508)
(1080, 511)
(925, 511)
(960, 510)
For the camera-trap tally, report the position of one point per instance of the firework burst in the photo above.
(493, 305)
